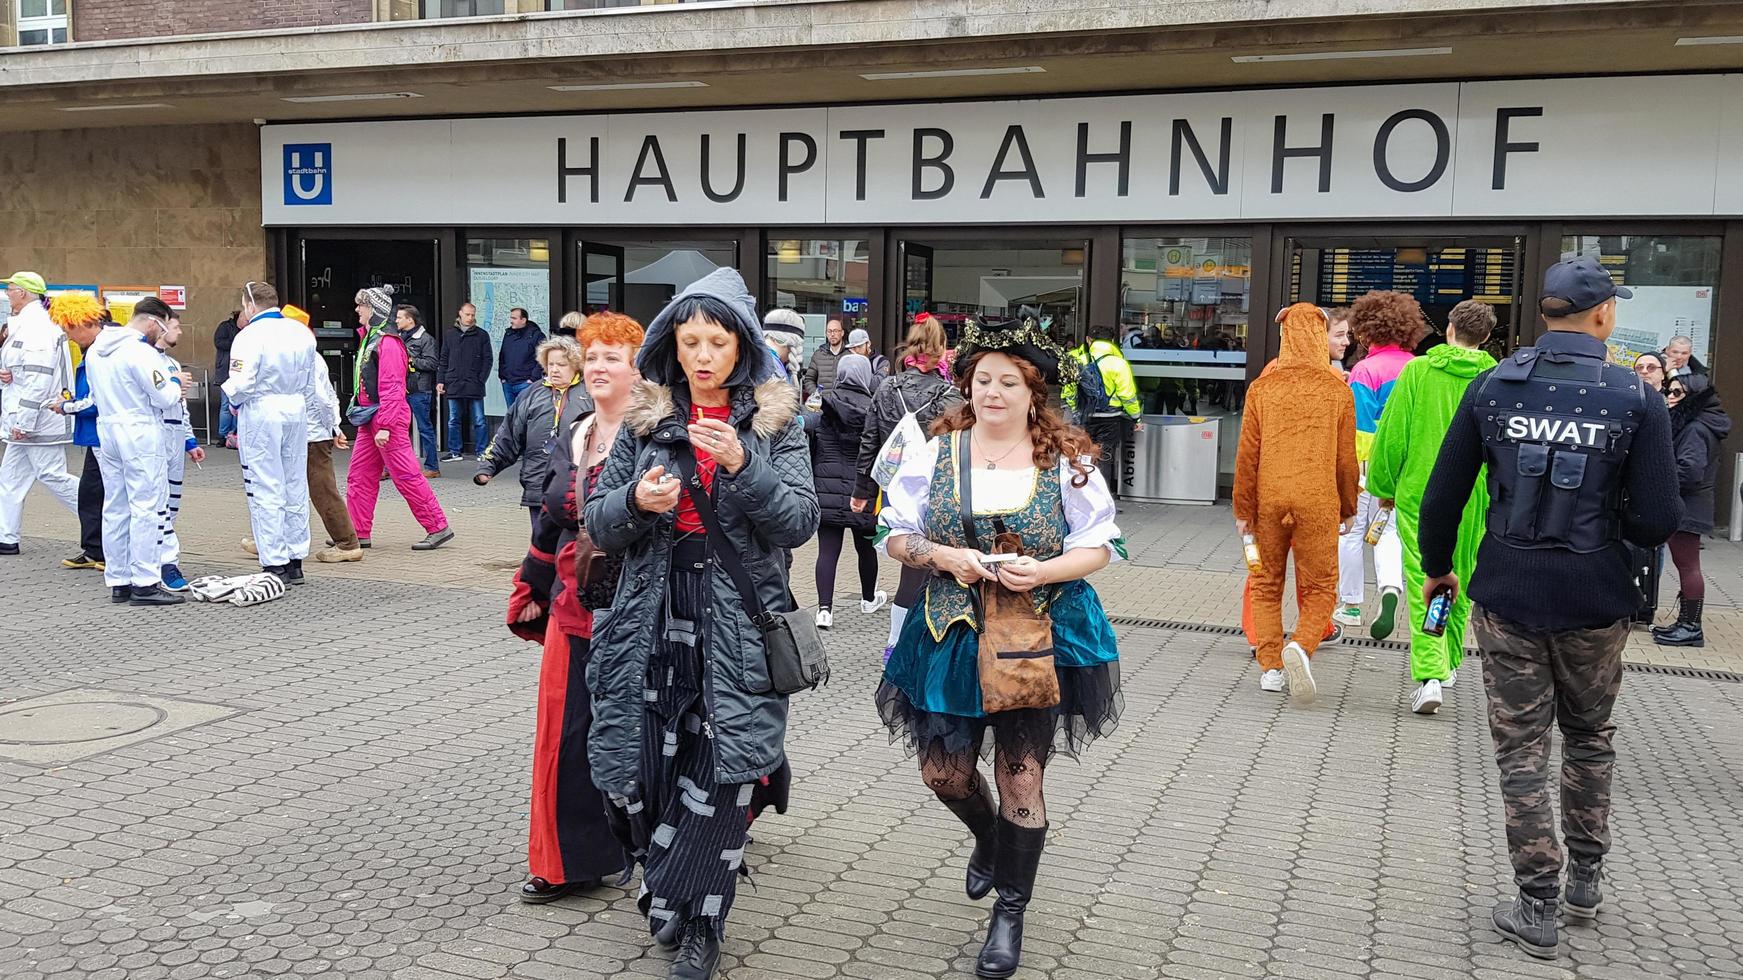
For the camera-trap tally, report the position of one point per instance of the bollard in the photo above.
(1736, 505)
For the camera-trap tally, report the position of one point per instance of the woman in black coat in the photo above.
(1697, 426)
(837, 431)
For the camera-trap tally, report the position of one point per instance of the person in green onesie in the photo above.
(1405, 446)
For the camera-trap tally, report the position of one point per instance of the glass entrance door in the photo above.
(601, 277)
(956, 280)
(916, 280)
(640, 277)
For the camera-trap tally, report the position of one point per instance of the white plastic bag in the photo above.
(907, 437)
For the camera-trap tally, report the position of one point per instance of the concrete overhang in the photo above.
(785, 52)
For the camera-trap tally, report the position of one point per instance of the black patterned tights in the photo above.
(956, 776)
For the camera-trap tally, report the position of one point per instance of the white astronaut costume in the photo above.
(134, 390)
(273, 367)
(178, 441)
(37, 354)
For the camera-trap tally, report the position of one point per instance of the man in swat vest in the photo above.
(1579, 460)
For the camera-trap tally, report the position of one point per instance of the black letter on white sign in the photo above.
(708, 185)
(860, 136)
(1123, 157)
(1442, 150)
(564, 171)
(651, 145)
(1218, 178)
(1281, 151)
(1503, 122)
(789, 168)
(946, 146)
(1013, 135)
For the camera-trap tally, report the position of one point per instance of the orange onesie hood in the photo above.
(1304, 328)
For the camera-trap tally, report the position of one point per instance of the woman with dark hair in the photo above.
(710, 470)
(1005, 474)
(1652, 369)
(923, 388)
(1697, 426)
(835, 439)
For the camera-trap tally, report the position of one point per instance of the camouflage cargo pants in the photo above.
(1535, 678)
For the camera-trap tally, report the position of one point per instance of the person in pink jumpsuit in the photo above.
(384, 437)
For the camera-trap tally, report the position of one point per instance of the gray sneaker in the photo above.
(1585, 891)
(435, 540)
(1529, 922)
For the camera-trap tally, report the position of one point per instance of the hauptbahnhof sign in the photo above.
(1625, 146)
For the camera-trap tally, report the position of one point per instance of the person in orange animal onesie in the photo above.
(1295, 486)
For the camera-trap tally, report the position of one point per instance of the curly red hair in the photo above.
(1388, 317)
(610, 328)
(1054, 437)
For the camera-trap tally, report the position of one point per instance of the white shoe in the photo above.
(1428, 698)
(876, 602)
(1295, 666)
(1271, 680)
(1451, 679)
(1348, 616)
(825, 619)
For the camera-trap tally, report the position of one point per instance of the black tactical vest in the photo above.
(1556, 429)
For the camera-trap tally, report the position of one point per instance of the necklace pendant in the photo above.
(992, 466)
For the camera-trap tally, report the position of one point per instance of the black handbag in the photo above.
(791, 642)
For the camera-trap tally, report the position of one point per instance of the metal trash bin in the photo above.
(1174, 460)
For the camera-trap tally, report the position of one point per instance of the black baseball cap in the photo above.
(1576, 285)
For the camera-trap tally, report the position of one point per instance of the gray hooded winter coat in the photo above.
(768, 506)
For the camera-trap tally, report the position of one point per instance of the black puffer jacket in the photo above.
(926, 393)
(1697, 427)
(835, 454)
(525, 436)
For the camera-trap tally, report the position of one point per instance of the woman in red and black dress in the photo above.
(570, 846)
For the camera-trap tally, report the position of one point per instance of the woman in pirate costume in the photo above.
(1032, 487)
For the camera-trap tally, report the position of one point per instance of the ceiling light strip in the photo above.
(624, 86)
(1253, 59)
(888, 76)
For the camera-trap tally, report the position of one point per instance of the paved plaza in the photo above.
(336, 784)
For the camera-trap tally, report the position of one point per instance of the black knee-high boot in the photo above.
(979, 814)
(1017, 858)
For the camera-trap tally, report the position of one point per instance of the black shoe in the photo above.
(1585, 891)
(452, 458)
(1529, 922)
(8, 549)
(1687, 630)
(667, 936)
(538, 891)
(120, 593)
(152, 595)
(294, 572)
(1019, 856)
(435, 540)
(282, 571)
(978, 813)
(699, 954)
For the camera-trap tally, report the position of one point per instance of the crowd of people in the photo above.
(670, 471)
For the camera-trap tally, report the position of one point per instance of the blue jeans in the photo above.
(511, 390)
(474, 407)
(226, 421)
(421, 402)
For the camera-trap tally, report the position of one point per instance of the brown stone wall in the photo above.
(101, 20)
(126, 207)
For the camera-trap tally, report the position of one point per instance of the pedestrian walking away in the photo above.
(1422, 405)
(462, 368)
(273, 370)
(562, 583)
(179, 445)
(81, 317)
(1388, 324)
(420, 388)
(518, 362)
(1697, 426)
(686, 726)
(1578, 457)
(835, 440)
(1014, 661)
(383, 421)
(535, 420)
(1295, 480)
(36, 367)
(1104, 397)
(134, 393)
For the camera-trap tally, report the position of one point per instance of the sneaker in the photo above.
(452, 458)
(1272, 681)
(1300, 674)
(1348, 616)
(81, 560)
(1451, 679)
(1332, 635)
(1529, 922)
(120, 593)
(8, 549)
(825, 619)
(1383, 623)
(173, 579)
(338, 554)
(152, 595)
(1428, 698)
(433, 541)
(1585, 891)
(876, 602)
(295, 572)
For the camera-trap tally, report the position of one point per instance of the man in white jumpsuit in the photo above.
(179, 444)
(133, 389)
(36, 366)
(273, 368)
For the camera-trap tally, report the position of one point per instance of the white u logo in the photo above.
(319, 177)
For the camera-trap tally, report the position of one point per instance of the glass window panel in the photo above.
(32, 8)
(820, 279)
(501, 274)
(996, 278)
(656, 271)
(1675, 282)
(463, 8)
(27, 38)
(1184, 325)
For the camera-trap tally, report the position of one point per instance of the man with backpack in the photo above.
(1105, 400)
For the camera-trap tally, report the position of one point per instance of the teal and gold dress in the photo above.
(930, 695)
